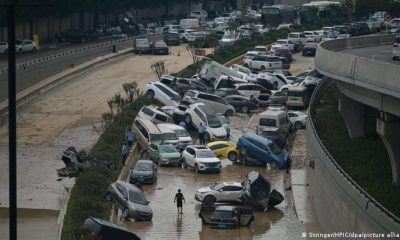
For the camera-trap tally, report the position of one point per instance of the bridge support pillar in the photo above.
(389, 131)
(354, 114)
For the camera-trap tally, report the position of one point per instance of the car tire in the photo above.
(125, 213)
(209, 200)
(244, 109)
(232, 156)
(263, 68)
(298, 125)
(206, 137)
(196, 168)
(188, 119)
(247, 65)
(275, 85)
(229, 113)
(109, 196)
(150, 94)
(273, 165)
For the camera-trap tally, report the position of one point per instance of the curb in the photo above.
(59, 78)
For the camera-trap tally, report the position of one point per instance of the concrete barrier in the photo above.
(340, 204)
(364, 72)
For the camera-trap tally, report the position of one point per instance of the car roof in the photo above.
(170, 126)
(225, 208)
(164, 129)
(272, 112)
(258, 138)
(144, 161)
(238, 96)
(129, 186)
(148, 124)
(218, 142)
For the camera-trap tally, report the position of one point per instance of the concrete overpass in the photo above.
(369, 101)
(370, 88)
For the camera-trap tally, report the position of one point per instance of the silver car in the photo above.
(131, 200)
(217, 103)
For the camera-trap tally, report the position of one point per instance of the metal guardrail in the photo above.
(318, 92)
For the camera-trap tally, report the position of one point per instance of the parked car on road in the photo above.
(162, 93)
(217, 103)
(220, 192)
(256, 149)
(164, 154)
(183, 136)
(141, 46)
(274, 118)
(297, 37)
(396, 48)
(159, 48)
(200, 113)
(242, 103)
(309, 49)
(263, 62)
(172, 39)
(276, 135)
(250, 89)
(298, 119)
(131, 200)
(144, 171)
(154, 115)
(25, 46)
(225, 124)
(223, 216)
(146, 132)
(101, 229)
(224, 149)
(200, 158)
(284, 52)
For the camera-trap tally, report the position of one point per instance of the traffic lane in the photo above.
(378, 53)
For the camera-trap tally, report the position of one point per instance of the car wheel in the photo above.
(263, 68)
(229, 113)
(125, 213)
(232, 156)
(188, 119)
(206, 137)
(150, 94)
(109, 196)
(275, 85)
(196, 168)
(273, 165)
(209, 200)
(298, 125)
(245, 109)
(184, 164)
(247, 65)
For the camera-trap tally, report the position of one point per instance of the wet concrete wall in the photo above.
(341, 205)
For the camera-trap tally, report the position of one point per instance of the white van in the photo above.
(297, 97)
(191, 23)
(276, 118)
(146, 132)
(153, 114)
(201, 15)
(297, 37)
(184, 138)
(169, 136)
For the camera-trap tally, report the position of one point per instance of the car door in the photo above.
(256, 150)
(198, 118)
(227, 194)
(235, 192)
(120, 194)
(190, 157)
(245, 216)
(153, 152)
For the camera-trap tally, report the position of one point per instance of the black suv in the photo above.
(76, 36)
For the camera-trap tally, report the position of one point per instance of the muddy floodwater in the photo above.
(277, 223)
(32, 224)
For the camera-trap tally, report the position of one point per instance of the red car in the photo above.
(284, 52)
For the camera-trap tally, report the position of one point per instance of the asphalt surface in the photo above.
(378, 53)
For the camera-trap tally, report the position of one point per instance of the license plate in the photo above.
(221, 225)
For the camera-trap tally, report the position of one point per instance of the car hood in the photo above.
(141, 173)
(170, 154)
(209, 160)
(218, 131)
(142, 208)
(185, 139)
(204, 190)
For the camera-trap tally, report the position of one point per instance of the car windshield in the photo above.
(267, 122)
(205, 154)
(156, 137)
(274, 148)
(137, 197)
(222, 214)
(181, 133)
(213, 122)
(169, 136)
(166, 148)
(143, 167)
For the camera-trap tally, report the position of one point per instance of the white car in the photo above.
(217, 103)
(162, 93)
(220, 192)
(297, 119)
(297, 37)
(272, 79)
(154, 115)
(200, 113)
(246, 73)
(200, 158)
(184, 36)
(396, 48)
(312, 36)
(286, 43)
(263, 62)
(275, 47)
(261, 49)
(250, 89)
(3, 47)
(229, 38)
(25, 46)
(250, 55)
(201, 15)
(184, 138)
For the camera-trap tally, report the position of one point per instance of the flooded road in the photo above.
(280, 222)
